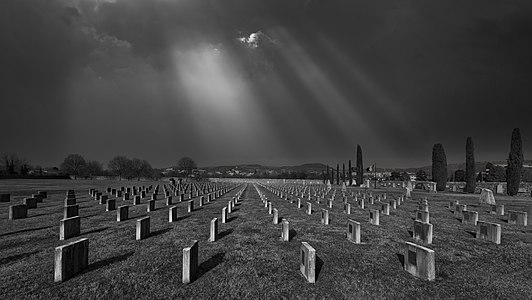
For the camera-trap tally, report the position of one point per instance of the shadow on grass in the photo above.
(96, 230)
(401, 259)
(291, 234)
(236, 209)
(26, 230)
(12, 258)
(225, 233)
(503, 220)
(89, 216)
(411, 233)
(210, 264)
(472, 233)
(319, 266)
(107, 262)
(159, 232)
(231, 219)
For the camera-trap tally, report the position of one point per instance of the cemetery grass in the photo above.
(249, 261)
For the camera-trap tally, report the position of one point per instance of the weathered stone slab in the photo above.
(70, 259)
(374, 217)
(285, 233)
(353, 231)
(423, 216)
(325, 217)
(470, 217)
(214, 230)
(30, 203)
(172, 214)
(275, 216)
(419, 261)
(497, 210)
(458, 209)
(309, 208)
(517, 217)
(422, 232)
(307, 265)
(489, 231)
(150, 206)
(385, 209)
(486, 196)
(224, 214)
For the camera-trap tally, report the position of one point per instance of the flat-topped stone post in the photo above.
(168, 200)
(489, 231)
(374, 217)
(150, 206)
(190, 205)
(214, 230)
(325, 216)
(190, 262)
(419, 261)
(5, 197)
(224, 214)
(309, 208)
(110, 205)
(458, 209)
(18, 211)
(347, 208)
(172, 214)
(307, 266)
(143, 228)
(122, 213)
(136, 200)
(385, 209)
(422, 232)
(285, 233)
(353, 231)
(275, 216)
(69, 227)
(270, 208)
(497, 210)
(71, 259)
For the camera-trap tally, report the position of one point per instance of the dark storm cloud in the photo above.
(104, 77)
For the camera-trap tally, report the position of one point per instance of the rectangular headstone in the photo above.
(374, 217)
(150, 206)
(309, 208)
(489, 231)
(214, 230)
(353, 231)
(325, 216)
(385, 209)
(423, 216)
(224, 214)
(191, 206)
(168, 200)
(122, 213)
(285, 233)
(422, 232)
(70, 201)
(69, 227)
(70, 211)
(18, 211)
(172, 214)
(419, 261)
(458, 209)
(136, 200)
(470, 217)
(110, 205)
(275, 216)
(307, 265)
(497, 210)
(190, 262)
(30, 202)
(71, 259)
(517, 217)
(143, 228)
(5, 197)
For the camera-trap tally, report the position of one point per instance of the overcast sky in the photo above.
(274, 82)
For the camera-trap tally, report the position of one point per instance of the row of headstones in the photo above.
(72, 258)
(420, 262)
(20, 211)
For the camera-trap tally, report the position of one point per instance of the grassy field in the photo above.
(249, 261)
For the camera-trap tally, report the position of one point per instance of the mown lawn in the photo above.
(249, 261)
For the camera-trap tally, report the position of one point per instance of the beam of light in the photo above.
(325, 92)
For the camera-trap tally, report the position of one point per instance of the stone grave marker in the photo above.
(325, 216)
(172, 214)
(30, 203)
(423, 216)
(458, 209)
(497, 209)
(419, 261)
(309, 208)
(374, 216)
(224, 215)
(122, 213)
(489, 231)
(71, 259)
(285, 233)
(517, 217)
(190, 262)
(214, 230)
(307, 265)
(347, 208)
(18, 211)
(422, 232)
(385, 209)
(5, 197)
(143, 228)
(69, 227)
(168, 200)
(275, 216)
(150, 206)
(486, 196)
(70, 211)
(470, 217)
(353, 231)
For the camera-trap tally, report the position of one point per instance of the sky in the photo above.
(274, 82)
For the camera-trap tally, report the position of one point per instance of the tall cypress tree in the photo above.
(515, 163)
(439, 167)
(470, 175)
(350, 174)
(343, 172)
(328, 176)
(338, 174)
(360, 166)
